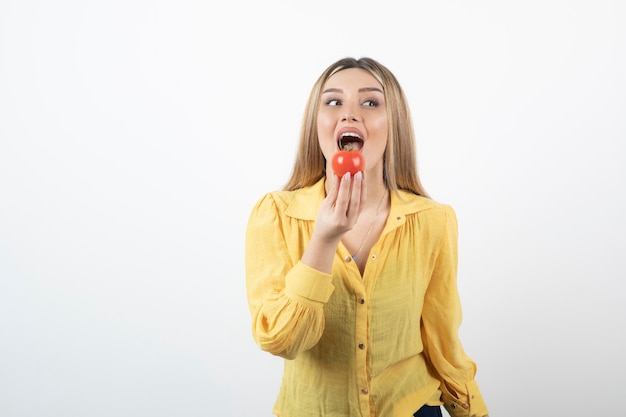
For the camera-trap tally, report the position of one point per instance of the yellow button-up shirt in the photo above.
(378, 345)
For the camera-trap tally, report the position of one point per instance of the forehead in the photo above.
(352, 78)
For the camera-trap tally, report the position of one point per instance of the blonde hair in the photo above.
(399, 159)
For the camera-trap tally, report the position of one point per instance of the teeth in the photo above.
(350, 134)
(347, 140)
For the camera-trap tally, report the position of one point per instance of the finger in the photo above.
(343, 195)
(357, 196)
(363, 189)
(331, 197)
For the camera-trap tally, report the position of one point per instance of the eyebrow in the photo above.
(361, 90)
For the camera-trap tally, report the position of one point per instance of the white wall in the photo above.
(136, 135)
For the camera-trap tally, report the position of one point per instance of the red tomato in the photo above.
(348, 161)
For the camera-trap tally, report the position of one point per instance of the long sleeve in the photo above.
(285, 296)
(441, 320)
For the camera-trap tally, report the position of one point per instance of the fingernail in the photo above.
(358, 176)
(346, 176)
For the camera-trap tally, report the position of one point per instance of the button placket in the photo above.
(361, 350)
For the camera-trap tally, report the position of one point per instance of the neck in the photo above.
(375, 194)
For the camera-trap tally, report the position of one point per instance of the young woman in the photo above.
(353, 280)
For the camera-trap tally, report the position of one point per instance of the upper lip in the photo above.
(348, 131)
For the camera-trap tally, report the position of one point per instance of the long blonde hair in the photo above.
(399, 159)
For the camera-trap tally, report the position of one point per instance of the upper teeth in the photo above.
(351, 134)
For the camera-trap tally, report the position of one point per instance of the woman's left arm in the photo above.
(441, 319)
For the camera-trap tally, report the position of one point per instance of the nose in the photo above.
(349, 117)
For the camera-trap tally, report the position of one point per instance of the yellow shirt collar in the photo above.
(305, 203)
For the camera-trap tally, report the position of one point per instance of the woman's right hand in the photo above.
(338, 213)
(340, 209)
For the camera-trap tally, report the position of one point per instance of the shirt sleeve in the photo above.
(285, 296)
(441, 319)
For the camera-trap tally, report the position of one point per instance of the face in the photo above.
(352, 109)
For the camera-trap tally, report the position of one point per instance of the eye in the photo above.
(332, 102)
(371, 103)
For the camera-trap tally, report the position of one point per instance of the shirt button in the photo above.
(362, 301)
(373, 256)
(363, 390)
(361, 346)
(348, 258)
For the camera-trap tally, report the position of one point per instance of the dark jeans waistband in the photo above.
(428, 411)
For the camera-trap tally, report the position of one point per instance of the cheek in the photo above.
(324, 125)
(324, 138)
(325, 132)
(380, 123)
(378, 130)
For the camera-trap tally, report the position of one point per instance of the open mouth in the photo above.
(350, 141)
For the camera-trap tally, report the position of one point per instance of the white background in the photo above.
(135, 136)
